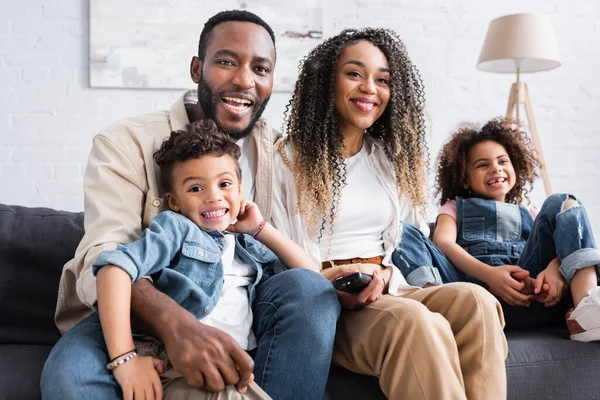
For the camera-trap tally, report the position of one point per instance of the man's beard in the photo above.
(208, 100)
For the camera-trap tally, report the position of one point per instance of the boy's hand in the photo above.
(552, 279)
(139, 379)
(248, 219)
(368, 295)
(503, 284)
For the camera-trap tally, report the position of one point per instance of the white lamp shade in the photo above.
(525, 41)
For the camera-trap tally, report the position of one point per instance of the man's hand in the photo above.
(501, 282)
(207, 357)
(248, 219)
(367, 296)
(552, 279)
(203, 355)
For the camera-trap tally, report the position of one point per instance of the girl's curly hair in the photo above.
(200, 138)
(312, 126)
(452, 179)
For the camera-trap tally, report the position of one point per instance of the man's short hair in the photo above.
(200, 138)
(226, 16)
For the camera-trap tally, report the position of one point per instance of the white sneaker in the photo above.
(584, 321)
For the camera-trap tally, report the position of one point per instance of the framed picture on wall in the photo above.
(150, 43)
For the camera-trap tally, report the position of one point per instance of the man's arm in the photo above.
(114, 193)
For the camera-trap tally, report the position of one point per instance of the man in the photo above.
(295, 311)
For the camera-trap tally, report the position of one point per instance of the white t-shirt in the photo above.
(248, 166)
(366, 211)
(233, 313)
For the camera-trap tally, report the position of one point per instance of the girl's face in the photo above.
(362, 88)
(490, 173)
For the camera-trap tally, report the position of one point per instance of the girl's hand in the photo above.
(529, 288)
(550, 285)
(248, 219)
(139, 378)
(368, 295)
(501, 283)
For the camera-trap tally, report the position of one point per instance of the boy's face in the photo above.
(489, 170)
(206, 190)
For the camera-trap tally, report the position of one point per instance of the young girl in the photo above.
(482, 230)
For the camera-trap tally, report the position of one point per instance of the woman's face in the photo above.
(362, 88)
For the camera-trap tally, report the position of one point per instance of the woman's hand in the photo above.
(139, 378)
(550, 285)
(248, 219)
(502, 283)
(368, 295)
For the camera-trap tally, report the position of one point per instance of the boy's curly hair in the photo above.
(312, 126)
(451, 178)
(200, 138)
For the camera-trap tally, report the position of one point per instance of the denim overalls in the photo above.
(493, 232)
(505, 234)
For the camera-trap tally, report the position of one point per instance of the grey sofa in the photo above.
(36, 242)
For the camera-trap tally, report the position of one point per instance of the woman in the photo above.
(349, 172)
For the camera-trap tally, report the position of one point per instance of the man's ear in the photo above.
(196, 69)
(173, 203)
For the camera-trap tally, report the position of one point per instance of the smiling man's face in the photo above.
(235, 80)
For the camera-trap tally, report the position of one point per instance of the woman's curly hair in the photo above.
(312, 126)
(200, 138)
(452, 179)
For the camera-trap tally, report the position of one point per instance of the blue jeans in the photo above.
(565, 234)
(295, 315)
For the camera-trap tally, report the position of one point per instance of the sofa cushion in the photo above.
(35, 243)
(343, 384)
(20, 370)
(545, 364)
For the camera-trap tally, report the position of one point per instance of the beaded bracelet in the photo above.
(259, 228)
(121, 355)
(112, 365)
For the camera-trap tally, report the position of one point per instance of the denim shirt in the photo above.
(185, 260)
(491, 231)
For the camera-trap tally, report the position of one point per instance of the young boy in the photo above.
(197, 253)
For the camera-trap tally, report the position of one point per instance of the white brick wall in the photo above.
(48, 114)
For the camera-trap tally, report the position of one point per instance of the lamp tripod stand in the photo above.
(519, 94)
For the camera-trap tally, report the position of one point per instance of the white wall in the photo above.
(48, 114)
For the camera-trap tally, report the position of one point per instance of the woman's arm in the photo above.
(498, 279)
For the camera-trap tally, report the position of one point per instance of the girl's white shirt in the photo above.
(288, 221)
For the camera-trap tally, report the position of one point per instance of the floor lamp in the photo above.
(518, 44)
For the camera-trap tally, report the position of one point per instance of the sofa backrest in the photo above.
(35, 243)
